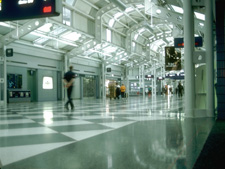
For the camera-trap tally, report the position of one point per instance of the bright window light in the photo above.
(46, 27)
(201, 24)
(133, 44)
(158, 11)
(40, 40)
(141, 30)
(47, 83)
(140, 6)
(117, 15)
(66, 16)
(73, 36)
(110, 49)
(111, 22)
(200, 16)
(178, 9)
(108, 35)
(159, 42)
(135, 36)
(129, 9)
(58, 31)
(154, 47)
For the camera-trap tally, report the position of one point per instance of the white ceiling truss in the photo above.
(134, 30)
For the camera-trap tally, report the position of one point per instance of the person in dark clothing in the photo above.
(68, 81)
(117, 91)
(180, 90)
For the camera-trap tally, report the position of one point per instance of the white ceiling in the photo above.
(150, 31)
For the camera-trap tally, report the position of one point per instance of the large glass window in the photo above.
(47, 82)
(108, 35)
(66, 16)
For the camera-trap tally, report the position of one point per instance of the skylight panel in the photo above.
(200, 16)
(108, 35)
(111, 22)
(154, 47)
(140, 6)
(178, 9)
(73, 36)
(110, 49)
(58, 31)
(129, 9)
(40, 40)
(45, 28)
(141, 30)
(117, 15)
(159, 42)
(135, 36)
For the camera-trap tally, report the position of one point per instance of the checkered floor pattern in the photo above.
(28, 129)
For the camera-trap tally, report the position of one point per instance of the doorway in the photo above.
(32, 84)
(89, 86)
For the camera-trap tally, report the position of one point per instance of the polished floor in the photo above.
(134, 133)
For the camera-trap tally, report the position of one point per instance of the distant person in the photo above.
(122, 90)
(117, 91)
(68, 81)
(180, 90)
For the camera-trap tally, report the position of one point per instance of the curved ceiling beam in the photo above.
(22, 30)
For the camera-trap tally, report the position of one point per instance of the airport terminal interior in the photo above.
(169, 55)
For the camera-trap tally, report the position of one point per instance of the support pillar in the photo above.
(142, 79)
(154, 83)
(189, 68)
(3, 78)
(103, 80)
(210, 102)
(127, 82)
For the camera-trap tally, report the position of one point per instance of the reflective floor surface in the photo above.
(134, 133)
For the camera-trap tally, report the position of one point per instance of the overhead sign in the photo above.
(29, 9)
(179, 42)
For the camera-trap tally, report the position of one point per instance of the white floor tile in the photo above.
(25, 131)
(16, 121)
(81, 135)
(12, 154)
(146, 118)
(94, 117)
(42, 116)
(67, 122)
(117, 124)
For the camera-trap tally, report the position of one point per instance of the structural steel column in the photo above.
(127, 82)
(188, 63)
(210, 102)
(103, 80)
(65, 70)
